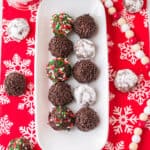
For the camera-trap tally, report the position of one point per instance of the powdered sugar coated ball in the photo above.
(85, 49)
(18, 28)
(85, 95)
(125, 80)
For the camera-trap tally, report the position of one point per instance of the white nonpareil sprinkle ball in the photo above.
(138, 131)
(139, 54)
(125, 80)
(143, 117)
(129, 34)
(108, 3)
(111, 10)
(147, 110)
(136, 139)
(133, 146)
(148, 102)
(145, 60)
(18, 28)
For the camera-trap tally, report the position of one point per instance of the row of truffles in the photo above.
(62, 118)
(61, 94)
(63, 24)
(59, 70)
(61, 46)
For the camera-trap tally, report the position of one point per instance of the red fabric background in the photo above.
(22, 118)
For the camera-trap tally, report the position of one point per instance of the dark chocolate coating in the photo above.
(85, 71)
(85, 26)
(60, 94)
(60, 46)
(15, 84)
(86, 119)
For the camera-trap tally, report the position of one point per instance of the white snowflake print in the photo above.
(2, 147)
(21, 5)
(19, 65)
(111, 96)
(33, 8)
(112, 73)
(6, 36)
(118, 146)
(145, 14)
(127, 53)
(110, 42)
(141, 92)
(27, 99)
(27, 5)
(29, 132)
(123, 120)
(128, 17)
(148, 124)
(30, 46)
(5, 125)
(3, 96)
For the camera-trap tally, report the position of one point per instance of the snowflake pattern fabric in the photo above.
(18, 64)
(3, 96)
(2, 147)
(5, 125)
(141, 92)
(29, 132)
(30, 46)
(127, 53)
(123, 115)
(146, 15)
(148, 124)
(128, 17)
(23, 6)
(27, 99)
(123, 119)
(112, 146)
(112, 73)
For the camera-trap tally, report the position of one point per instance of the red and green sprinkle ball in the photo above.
(62, 24)
(58, 69)
(19, 144)
(61, 118)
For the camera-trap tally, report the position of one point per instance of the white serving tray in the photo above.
(75, 139)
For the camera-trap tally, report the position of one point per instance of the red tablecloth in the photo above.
(17, 113)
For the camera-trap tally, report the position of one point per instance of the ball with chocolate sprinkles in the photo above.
(85, 71)
(85, 26)
(61, 118)
(60, 46)
(86, 119)
(15, 84)
(19, 144)
(58, 69)
(60, 94)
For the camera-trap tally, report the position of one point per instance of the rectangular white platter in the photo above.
(74, 139)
